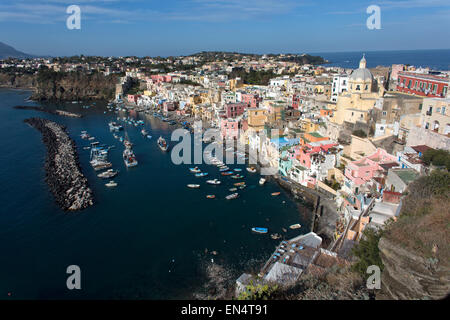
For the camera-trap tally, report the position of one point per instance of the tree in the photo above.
(367, 251)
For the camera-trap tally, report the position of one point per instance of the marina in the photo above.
(109, 230)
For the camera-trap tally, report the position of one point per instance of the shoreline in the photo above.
(63, 172)
(54, 112)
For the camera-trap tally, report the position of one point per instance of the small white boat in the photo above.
(193, 186)
(295, 226)
(252, 170)
(215, 181)
(262, 181)
(111, 184)
(232, 196)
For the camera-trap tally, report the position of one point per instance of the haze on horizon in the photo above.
(183, 27)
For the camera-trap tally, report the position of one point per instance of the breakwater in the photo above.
(63, 173)
(56, 112)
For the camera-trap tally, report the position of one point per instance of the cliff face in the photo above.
(74, 86)
(17, 81)
(415, 250)
(408, 275)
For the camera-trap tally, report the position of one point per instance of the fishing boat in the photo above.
(224, 169)
(252, 170)
(260, 230)
(110, 173)
(237, 176)
(195, 170)
(129, 158)
(201, 174)
(215, 181)
(193, 186)
(210, 196)
(295, 226)
(242, 187)
(100, 165)
(238, 169)
(232, 196)
(239, 184)
(228, 173)
(262, 181)
(111, 184)
(233, 189)
(275, 194)
(162, 144)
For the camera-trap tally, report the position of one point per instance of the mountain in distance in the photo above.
(9, 52)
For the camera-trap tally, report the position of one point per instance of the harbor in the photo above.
(151, 204)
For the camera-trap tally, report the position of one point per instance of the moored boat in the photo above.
(262, 181)
(239, 184)
(210, 196)
(193, 186)
(162, 144)
(251, 169)
(201, 174)
(129, 158)
(110, 173)
(232, 196)
(275, 194)
(260, 230)
(195, 170)
(295, 226)
(228, 173)
(215, 181)
(111, 184)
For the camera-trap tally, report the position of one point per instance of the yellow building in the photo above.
(256, 119)
(361, 97)
(307, 125)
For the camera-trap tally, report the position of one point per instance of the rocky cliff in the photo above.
(17, 81)
(73, 86)
(415, 250)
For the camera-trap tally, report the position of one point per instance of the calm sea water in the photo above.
(144, 239)
(434, 59)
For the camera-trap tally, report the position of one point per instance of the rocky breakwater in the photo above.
(63, 173)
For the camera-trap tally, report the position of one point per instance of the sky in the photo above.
(182, 27)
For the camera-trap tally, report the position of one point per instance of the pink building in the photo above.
(252, 100)
(229, 129)
(233, 110)
(363, 170)
(132, 98)
(156, 78)
(169, 106)
(305, 153)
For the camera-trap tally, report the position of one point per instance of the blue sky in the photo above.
(175, 27)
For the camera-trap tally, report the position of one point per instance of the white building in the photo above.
(340, 84)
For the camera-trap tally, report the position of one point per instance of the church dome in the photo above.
(362, 74)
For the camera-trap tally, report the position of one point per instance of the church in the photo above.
(363, 92)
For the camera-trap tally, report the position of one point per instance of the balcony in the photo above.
(429, 113)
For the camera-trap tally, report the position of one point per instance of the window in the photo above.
(358, 87)
(443, 110)
(384, 113)
(435, 88)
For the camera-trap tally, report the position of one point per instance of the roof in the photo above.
(283, 273)
(363, 74)
(406, 175)
(421, 148)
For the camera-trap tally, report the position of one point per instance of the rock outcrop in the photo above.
(63, 173)
(408, 275)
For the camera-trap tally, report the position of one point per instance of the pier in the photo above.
(63, 173)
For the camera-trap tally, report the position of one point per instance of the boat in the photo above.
(238, 169)
(100, 165)
(232, 196)
(193, 186)
(233, 189)
(149, 136)
(237, 176)
(210, 196)
(275, 194)
(262, 181)
(260, 230)
(275, 236)
(195, 170)
(242, 187)
(129, 158)
(144, 132)
(201, 174)
(162, 144)
(252, 170)
(295, 226)
(228, 173)
(239, 184)
(215, 181)
(111, 184)
(224, 169)
(108, 174)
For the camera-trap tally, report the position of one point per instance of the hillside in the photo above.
(7, 51)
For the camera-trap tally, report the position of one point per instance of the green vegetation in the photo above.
(437, 158)
(252, 77)
(367, 251)
(190, 82)
(359, 133)
(258, 292)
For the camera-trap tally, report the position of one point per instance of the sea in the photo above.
(151, 237)
(434, 59)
